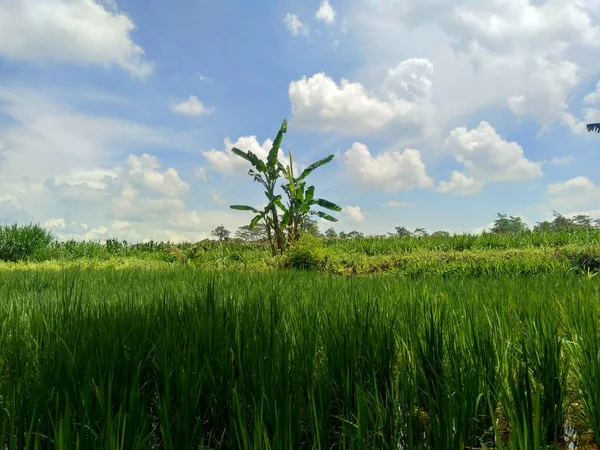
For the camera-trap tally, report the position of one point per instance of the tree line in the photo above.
(504, 224)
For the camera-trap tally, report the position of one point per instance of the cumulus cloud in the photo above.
(388, 171)
(325, 13)
(525, 54)
(61, 164)
(547, 98)
(576, 193)
(573, 187)
(319, 103)
(353, 214)
(294, 25)
(191, 107)
(83, 32)
(593, 97)
(227, 162)
(486, 157)
(460, 184)
(143, 170)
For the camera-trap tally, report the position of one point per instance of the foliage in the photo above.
(256, 234)
(266, 173)
(330, 233)
(306, 253)
(301, 199)
(18, 243)
(562, 223)
(137, 359)
(295, 215)
(221, 233)
(508, 225)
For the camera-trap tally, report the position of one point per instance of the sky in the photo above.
(117, 117)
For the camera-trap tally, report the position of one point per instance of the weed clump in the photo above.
(20, 243)
(306, 254)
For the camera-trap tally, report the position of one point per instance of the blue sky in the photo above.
(117, 116)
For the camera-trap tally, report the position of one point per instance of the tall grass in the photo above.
(19, 243)
(181, 359)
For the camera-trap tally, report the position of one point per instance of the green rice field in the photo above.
(173, 356)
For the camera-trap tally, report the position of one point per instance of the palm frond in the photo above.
(593, 127)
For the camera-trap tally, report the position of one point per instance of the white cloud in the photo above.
(593, 97)
(395, 204)
(44, 137)
(547, 97)
(576, 193)
(192, 107)
(353, 214)
(558, 160)
(527, 54)
(486, 157)
(79, 31)
(294, 25)
(460, 184)
(410, 80)
(325, 13)
(55, 223)
(319, 103)
(227, 162)
(388, 171)
(142, 169)
(57, 163)
(201, 173)
(217, 197)
(574, 187)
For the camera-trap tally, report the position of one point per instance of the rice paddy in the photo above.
(182, 358)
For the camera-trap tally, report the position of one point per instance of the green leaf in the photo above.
(279, 203)
(310, 193)
(285, 219)
(593, 127)
(272, 158)
(325, 216)
(251, 158)
(255, 221)
(306, 172)
(327, 204)
(245, 208)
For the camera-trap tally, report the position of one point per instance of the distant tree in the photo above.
(258, 233)
(561, 223)
(330, 233)
(354, 234)
(420, 232)
(221, 233)
(583, 221)
(401, 231)
(508, 225)
(311, 226)
(544, 227)
(439, 234)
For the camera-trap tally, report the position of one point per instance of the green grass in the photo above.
(180, 358)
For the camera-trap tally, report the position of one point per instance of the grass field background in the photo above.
(184, 359)
(447, 342)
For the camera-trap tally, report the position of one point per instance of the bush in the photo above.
(18, 243)
(306, 254)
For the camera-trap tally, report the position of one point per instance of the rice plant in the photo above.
(190, 359)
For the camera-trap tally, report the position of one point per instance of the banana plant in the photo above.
(593, 127)
(266, 173)
(301, 199)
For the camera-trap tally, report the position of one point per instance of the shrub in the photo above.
(18, 243)
(306, 254)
